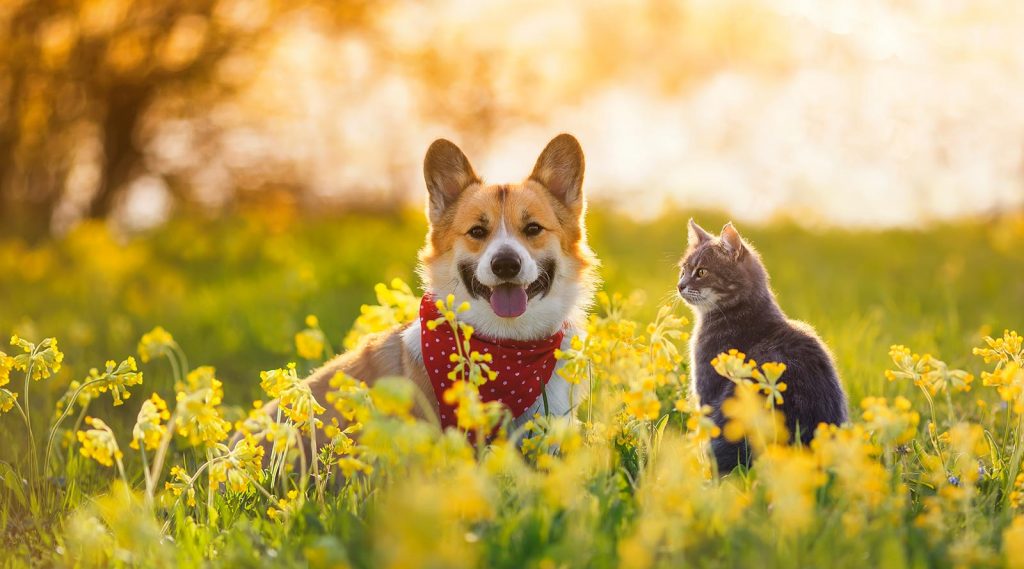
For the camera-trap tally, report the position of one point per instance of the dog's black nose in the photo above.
(505, 265)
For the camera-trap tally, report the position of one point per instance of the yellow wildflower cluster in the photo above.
(238, 468)
(197, 416)
(150, 428)
(1013, 544)
(890, 425)
(39, 361)
(1009, 348)
(747, 417)
(285, 508)
(180, 483)
(630, 462)
(311, 342)
(927, 372)
(1008, 379)
(791, 476)
(98, 443)
(640, 365)
(7, 397)
(1017, 494)
(295, 399)
(396, 305)
(155, 343)
(115, 378)
(735, 367)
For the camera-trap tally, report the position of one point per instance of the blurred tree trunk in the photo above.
(121, 155)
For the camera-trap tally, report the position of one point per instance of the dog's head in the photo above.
(516, 252)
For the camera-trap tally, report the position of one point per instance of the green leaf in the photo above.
(13, 481)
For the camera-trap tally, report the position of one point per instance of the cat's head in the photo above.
(719, 272)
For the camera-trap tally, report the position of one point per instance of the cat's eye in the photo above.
(477, 232)
(701, 273)
(532, 229)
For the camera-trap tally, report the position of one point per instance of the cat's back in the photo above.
(814, 384)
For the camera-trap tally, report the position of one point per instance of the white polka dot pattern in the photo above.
(520, 365)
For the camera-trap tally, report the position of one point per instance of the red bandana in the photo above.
(524, 367)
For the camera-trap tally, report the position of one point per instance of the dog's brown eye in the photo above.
(532, 229)
(701, 273)
(478, 232)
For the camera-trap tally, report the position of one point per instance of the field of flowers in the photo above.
(132, 361)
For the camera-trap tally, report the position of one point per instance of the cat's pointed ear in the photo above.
(732, 241)
(447, 172)
(560, 169)
(696, 234)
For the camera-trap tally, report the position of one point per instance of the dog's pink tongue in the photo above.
(508, 301)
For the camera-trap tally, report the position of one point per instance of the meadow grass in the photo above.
(628, 486)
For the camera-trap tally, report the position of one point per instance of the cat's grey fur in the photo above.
(724, 281)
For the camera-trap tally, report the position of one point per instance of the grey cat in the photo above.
(725, 283)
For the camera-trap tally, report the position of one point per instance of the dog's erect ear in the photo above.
(560, 169)
(732, 241)
(696, 234)
(447, 172)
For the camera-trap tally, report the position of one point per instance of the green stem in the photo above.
(161, 451)
(209, 490)
(312, 442)
(146, 475)
(56, 425)
(1018, 454)
(931, 435)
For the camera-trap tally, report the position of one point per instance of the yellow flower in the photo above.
(1013, 544)
(734, 365)
(7, 400)
(6, 364)
(472, 413)
(1009, 348)
(393, 397)
(311, 342)
(967, 444)
(701, 425)
(890, 425)
(350, 466)
(848, 453)
(42, 360)
(1009, 383)
(282, 435)
(295, 399)
(240, 467)
(749, 418)
(180, 482)
(791, 476)
(769, 381)
(349, 396)
(98, 443)
(150, 427)
(196, 416)
(396, 305)
(157, 342)
(286, 507)
(642, 402)
(1017, 494)
(115, 378)
(926, 371)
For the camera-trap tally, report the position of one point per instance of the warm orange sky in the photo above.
(852, 112)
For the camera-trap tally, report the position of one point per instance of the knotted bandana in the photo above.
(523, 367)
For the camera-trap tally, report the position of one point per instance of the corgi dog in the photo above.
(518, 254)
